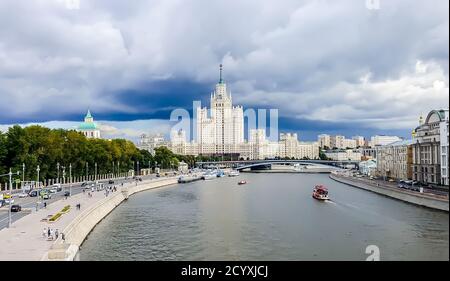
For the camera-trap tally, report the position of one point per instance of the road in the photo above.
(29, 204)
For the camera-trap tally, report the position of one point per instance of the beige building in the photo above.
(395, 160)
(360, 141)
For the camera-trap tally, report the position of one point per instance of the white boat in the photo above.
(233, 173)
(209, 176)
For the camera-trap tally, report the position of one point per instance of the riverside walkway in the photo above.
(430, 200)
(25, 239)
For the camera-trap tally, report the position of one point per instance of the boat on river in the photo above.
(233, 173)
(320, 192)
(242, 182)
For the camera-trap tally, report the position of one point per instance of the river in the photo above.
(273, 217)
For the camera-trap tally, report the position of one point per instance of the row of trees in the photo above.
(50, 148)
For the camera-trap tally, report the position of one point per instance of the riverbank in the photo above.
(426, 200)
(24, 240)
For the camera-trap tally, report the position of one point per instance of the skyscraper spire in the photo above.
(221, 80)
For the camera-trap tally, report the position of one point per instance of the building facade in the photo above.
(360, 141)
(443, 131)
(395, 160)
(223, 130)
(150, 142)
(427, 148)
(380, 140)
(343, 154)
(89, 128)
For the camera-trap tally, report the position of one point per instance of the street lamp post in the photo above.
(37, 187)
(10, 174)
(70, 179)
(113, 169)
(23, 174)
(95, 175)
(64, 174)
(118, 167)
(138, 168)
(37, 180)
(57, 167)
(87, 170)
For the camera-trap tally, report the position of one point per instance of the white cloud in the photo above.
(322, 60)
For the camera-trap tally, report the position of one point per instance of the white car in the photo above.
(22, 195)
(7, 201)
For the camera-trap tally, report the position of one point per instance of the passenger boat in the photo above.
(320, 192)
(242, 182)
(233, 173)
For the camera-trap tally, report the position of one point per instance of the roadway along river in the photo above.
(273, 217)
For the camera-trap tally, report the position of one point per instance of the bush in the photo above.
(55, 217)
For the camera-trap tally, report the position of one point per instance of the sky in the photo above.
(337, 67)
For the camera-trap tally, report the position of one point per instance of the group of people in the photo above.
(50, 234)
(110, 189)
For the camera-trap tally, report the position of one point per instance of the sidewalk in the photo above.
(24, 240)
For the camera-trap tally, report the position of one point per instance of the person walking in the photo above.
(44, 232)
(56, 233)
(48, 232)
(45, 205)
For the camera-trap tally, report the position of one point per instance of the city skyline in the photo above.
(126, 64)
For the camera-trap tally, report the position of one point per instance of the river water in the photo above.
(273, 217)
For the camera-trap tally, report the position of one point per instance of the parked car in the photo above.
(33, 193)
(16, 208)
(9, 201)
(22, 195)
(66, 193)
(84, 184)
(6, 196)
(57, 187)
(2, 203)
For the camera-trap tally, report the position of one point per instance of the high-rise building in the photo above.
(360, 141)
(223, 130)
(324, 141)
(89, 128)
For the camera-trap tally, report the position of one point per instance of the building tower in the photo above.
(89, 128)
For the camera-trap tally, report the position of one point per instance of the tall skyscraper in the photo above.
(223, 129)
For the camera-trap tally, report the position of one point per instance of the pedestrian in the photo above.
(48, 232)
(52, 234)
(63, 237)
(56, 233)
(44, 232)
(45, 205)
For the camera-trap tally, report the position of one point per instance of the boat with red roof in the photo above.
(320, 192)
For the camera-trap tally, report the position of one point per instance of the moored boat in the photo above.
(242, 182)
(209, 176)
(233, 173)
(320, 192)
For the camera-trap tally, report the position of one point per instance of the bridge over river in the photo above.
(267, 164)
